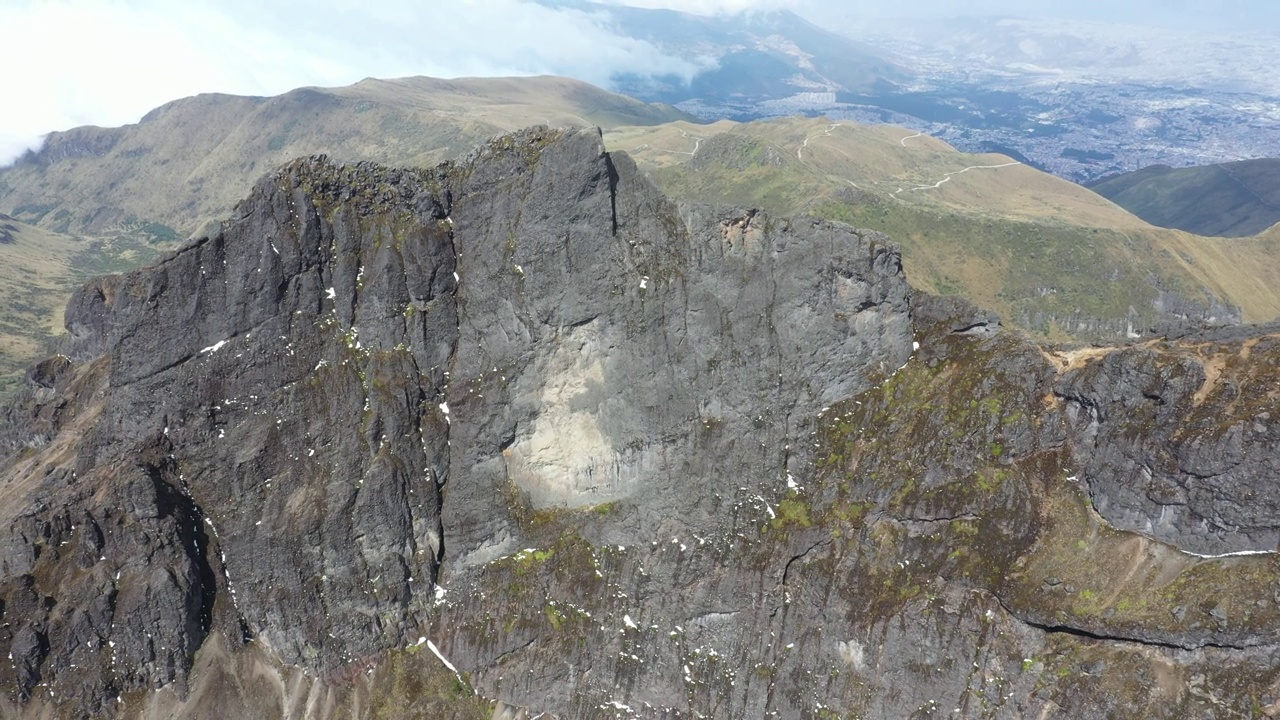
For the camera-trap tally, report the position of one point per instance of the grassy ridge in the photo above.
(1047, 254)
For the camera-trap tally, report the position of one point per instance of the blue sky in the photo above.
(107, 62)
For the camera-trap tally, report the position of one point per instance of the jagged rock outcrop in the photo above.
(7, 230)
(1181, 445)
(609, 455)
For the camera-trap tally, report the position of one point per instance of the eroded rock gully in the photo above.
(609, 455)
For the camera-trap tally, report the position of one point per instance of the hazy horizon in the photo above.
(108, 62)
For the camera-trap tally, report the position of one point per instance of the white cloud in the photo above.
(709, 7)
(107, 63)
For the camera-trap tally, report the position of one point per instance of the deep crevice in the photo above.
(188, 521)
(440, 394)
(974, 328)
(786, 570)
(1059, 629)
(502, 656)
(1130, 640)
(612, 171)
(904, 520)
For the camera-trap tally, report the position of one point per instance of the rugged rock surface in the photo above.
(614, 456)
(1181, 445)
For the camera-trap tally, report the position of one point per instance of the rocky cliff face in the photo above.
(400, 443)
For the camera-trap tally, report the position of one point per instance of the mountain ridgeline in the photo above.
(521, 432)
(190, 161)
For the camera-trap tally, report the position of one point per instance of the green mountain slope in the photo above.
(1051, 256)
(1226, 200)
(191, 160)
(38, 271)
(35, 283)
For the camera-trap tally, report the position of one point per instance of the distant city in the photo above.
(1077, 131)
(1079, 100)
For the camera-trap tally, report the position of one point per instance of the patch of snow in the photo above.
(330, 294)
(214, 347)
(432, 647)
(1238, 553)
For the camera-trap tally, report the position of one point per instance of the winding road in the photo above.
(805, 144)
(947, 178)
(697, 143)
